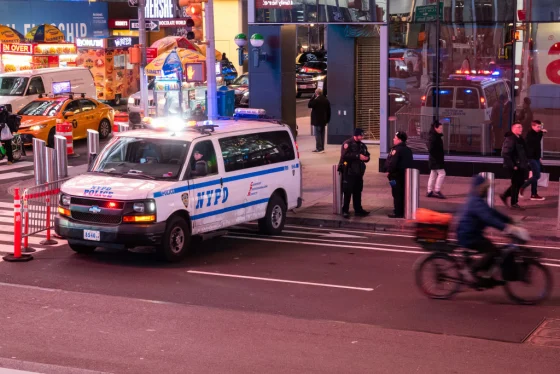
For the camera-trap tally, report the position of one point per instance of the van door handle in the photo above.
(221, 182)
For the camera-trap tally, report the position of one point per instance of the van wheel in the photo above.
(275, 218)
(176, 240)
(82, 249)
(50, 138)
(104, 129)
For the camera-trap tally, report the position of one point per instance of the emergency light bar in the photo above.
(249, 113)
(494, 73)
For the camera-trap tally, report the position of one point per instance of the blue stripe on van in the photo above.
(229, 209)
(218, 181)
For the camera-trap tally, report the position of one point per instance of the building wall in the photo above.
(227, 24)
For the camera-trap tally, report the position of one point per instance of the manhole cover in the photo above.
(546, 334)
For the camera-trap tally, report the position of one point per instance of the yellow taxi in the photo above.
(39, 118)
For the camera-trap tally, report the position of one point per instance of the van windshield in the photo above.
(13, 86)
(142, 158)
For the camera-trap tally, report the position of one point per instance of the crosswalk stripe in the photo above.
(14, 175)
(18, 165)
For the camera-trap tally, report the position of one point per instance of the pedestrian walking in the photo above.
(534, 151)
(516, 164)
(320, 117)
(6, 134)
(436, 161)
(398, 160)
(353, 158)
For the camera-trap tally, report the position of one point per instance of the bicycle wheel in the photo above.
(534, 286)
(17, 145)
(438, 276)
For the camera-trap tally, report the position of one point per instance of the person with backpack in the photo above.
(6, 134)
(436, 161)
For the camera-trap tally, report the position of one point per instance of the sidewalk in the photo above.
(540, 217)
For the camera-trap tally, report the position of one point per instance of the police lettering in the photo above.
(218, 194)
(99, 191)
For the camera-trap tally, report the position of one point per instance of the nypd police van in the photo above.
(161, 186)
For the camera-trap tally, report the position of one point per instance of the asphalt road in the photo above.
(310, 289)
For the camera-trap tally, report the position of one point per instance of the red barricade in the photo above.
(65, 129)
(17, 256)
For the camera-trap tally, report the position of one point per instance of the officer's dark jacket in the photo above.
(398, 160)
(350, 158)
(533, 144)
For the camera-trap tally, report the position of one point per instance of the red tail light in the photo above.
(483, 103)
(112, 204)
(423, 98)
(310, 70)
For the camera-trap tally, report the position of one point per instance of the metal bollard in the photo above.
(93, 146)
(39, 160)
(337, 190)
(411, 193)
(50, 166)
(61, 156)
(492, 180)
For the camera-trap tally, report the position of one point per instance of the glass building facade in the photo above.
(476, 66)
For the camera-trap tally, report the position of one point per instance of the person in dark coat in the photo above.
(515, 162)
(475, 216)
(398, 160)
(525, 115)
(436, 161)
(320, 117)
(353, 158)
(534, 151)
(4, 122)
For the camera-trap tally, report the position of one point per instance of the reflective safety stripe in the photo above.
(229, 209)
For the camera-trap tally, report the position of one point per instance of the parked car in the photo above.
(241, 87)
(408, 56)
(309, 77)
(305, 57)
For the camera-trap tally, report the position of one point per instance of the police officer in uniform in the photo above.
(354, 155)
(398, 160)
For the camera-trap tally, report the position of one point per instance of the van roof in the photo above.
(224, 126)
(28, 73)
(475, 81)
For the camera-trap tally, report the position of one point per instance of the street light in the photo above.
(257, 41)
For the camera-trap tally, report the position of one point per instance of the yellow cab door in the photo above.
(72, 113)
(91, 115)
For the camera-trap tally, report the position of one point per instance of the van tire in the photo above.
(82, 249)
(176, 240)
(50, 138)
(104, 129)
(275, 218)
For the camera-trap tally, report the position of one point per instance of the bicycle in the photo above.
(17, 148)
(515, 265)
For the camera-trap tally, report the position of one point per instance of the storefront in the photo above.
(467, 64)
(27, 56)
(115, 77)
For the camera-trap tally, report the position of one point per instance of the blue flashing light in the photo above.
(443, 92)
(495, 73)
(249, 113)
(468, 91)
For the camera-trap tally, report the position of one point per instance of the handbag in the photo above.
(6, 134)
(543, 180)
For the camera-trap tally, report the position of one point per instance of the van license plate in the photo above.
(92, 235)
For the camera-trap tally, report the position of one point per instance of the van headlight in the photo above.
(131, 100)
(144, 207)
(65, 200)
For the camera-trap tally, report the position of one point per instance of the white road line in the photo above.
(14, 175)
(330, 244)
(280, 280)
(4, 204)
(32, 239)
(17, 165)
(335, 241)
(552, 265)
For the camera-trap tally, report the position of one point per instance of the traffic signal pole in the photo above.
(212, 97)
(143, 41)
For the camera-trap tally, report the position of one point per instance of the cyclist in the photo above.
(475, 216)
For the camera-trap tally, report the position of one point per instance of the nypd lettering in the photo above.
(211, 197)
(99, 191)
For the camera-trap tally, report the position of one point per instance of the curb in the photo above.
(401, 226)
